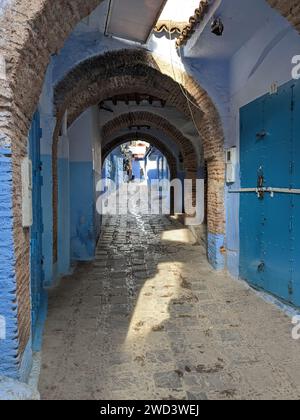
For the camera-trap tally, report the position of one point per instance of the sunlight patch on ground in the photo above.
(152, 309)
(183, 236)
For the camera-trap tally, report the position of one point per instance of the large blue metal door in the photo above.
(295, 218)
(251, 209)
(269, 223)
(37, 227)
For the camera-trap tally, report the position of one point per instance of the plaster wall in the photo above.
(84, 173)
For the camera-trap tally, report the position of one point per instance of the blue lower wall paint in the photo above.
(232, 262)
(47, 219)
(9, 363)
(40, 323)
(232, 231)
(64, 252)
(214, 244)
(136, 169)
(98, 218)
(26, 363)
(83, 236)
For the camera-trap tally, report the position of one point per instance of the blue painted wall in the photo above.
(85, 170)
(64, 223)
(9, 363)
(214, 244)
(265, 59)
(113, 167)
(83, 239)
(136, 169)
(47, 211)
(156, 166)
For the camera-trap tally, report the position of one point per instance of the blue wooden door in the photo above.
(295, 215)
(269, 224)
(251, 209)
(37, 227)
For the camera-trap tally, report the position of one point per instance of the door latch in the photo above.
(260, 187)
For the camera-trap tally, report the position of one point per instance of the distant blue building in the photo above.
(156, 166)
(113, 167)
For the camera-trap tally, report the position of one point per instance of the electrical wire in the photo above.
(174, 74)
(189, 101)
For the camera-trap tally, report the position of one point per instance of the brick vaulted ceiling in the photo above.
(149, 138)
(154, 121)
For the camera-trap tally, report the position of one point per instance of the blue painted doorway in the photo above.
(36, 255)
(270, 223)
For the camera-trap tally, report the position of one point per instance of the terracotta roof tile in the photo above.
(194, 20)
(184, 30)
(169, 26)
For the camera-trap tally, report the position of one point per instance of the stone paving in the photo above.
(150, 319)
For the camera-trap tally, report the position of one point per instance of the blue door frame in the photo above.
(36, 255)
(270, 225)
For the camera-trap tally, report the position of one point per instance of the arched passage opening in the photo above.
(153, 141)
(124, 121)
(136, 71)
(138, 175)
(152, 169)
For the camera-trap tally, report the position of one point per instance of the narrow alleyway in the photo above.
(149, 319)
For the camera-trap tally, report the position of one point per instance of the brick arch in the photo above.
(128, 71)
(30, 32)
(149, 138)
(154, 141)
(155, 121)
(33, 30)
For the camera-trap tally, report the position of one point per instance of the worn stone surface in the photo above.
(150, 319)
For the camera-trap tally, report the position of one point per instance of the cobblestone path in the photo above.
(149, 319)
